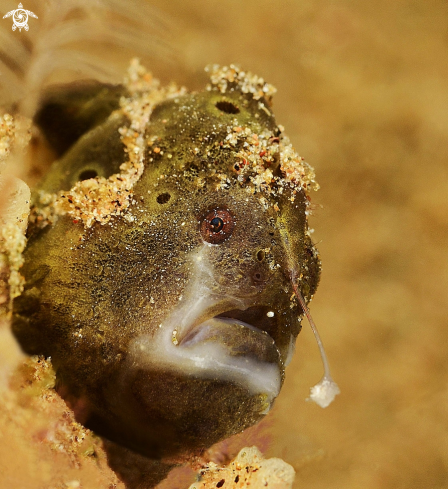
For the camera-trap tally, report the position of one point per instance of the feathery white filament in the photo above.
(57, 44)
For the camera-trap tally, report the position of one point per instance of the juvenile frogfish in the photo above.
(164, 248)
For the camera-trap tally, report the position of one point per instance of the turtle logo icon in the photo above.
(20, 18)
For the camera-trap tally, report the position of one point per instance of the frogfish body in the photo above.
(160, 253)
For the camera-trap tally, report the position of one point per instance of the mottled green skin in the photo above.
(69, 112)
(112, 282)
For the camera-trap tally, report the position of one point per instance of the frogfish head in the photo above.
(159, 261)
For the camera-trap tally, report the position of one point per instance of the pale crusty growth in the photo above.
(248, 470)
(99, 199)
(257, 153)
(12, 244)
(44, 213)
(233, 77)
(6, 135)
(14, 131)
(38, 424)
(294, 168)
(14, 202)
(37, 380)
(14, 211)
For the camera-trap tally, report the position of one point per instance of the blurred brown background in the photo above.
(362, 92)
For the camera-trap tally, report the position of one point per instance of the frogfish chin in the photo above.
(159, 259)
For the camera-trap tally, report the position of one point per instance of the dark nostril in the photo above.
(260, 255)
(227, 107)
(257, 277)
(163, 198)
(87, 174)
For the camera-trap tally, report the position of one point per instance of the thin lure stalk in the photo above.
(324, 392)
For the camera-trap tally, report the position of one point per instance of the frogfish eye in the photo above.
(217, 225)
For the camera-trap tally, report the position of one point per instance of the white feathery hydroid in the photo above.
(71, 36)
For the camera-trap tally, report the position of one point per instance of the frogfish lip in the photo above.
(234, 350)
(238, 337)
(217, 348)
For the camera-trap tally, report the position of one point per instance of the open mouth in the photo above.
(221, 348)
(242, 332)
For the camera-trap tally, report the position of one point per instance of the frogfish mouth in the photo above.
(164, 249)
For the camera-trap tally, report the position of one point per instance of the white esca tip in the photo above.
(324, 392)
